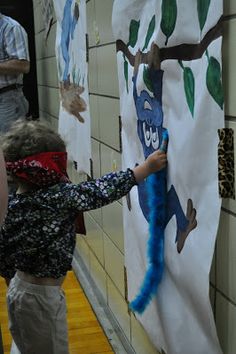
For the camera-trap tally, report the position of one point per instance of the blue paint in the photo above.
(156, 188)
(67, 33)
(158, 205)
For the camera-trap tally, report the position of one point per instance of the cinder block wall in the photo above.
(103, 248)
(46, 68)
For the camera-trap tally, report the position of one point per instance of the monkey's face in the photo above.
(150, 119)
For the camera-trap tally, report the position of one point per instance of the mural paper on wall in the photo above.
(74, 118)
(169, 67)
(47, 12)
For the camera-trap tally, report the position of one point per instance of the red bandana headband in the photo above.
(44, 169)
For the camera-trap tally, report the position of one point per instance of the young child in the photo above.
(37, 239)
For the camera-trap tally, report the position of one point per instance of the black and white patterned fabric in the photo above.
(38, 235)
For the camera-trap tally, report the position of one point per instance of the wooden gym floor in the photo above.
(85, 333)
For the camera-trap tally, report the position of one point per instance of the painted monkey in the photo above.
(150, 130)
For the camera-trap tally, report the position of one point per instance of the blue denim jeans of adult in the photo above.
(13, 105)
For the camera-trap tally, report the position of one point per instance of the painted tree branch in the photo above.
(179, 52)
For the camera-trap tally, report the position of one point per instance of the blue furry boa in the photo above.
(157, 190)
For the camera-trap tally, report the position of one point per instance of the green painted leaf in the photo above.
(126, 74)
(150, 31)
(189, 87)
(202, 9)
(146, 79)
(214, 82)
(169, 15)
(73, 74)
(133, 32)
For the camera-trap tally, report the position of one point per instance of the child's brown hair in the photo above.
(26, 138)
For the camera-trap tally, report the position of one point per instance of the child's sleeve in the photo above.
(99, 192)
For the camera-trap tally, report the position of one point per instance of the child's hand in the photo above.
(155, 162)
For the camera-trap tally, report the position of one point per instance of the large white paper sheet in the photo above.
(188, 102)
(74, 117)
